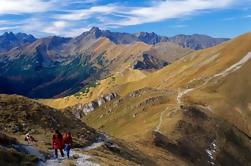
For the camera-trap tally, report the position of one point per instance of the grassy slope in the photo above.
(117, 60)
(103, 86)
(168, 51)
(194, 70)
(134, 119)
(11, 157)
(198, 66)
(19, 115)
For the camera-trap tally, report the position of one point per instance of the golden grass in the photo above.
(228, 97)
(105, 86)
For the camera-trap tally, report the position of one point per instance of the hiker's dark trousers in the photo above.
(67, 148)
(61, 151)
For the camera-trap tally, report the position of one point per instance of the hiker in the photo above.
(57, 143)
(67, 139)
(29, 138)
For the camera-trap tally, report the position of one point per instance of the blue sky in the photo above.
(219, 18)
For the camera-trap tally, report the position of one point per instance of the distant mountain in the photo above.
(10, 40)
(56, 66)
(150, 38)
(196, 41)
(116, 37)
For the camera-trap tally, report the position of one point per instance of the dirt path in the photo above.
(157, 129)
(225, 72)
(79, 159)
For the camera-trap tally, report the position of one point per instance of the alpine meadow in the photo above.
(125, 83)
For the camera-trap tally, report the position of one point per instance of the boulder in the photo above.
(110, 96)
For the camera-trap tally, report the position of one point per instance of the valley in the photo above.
(166, 108)
(37, 67)
(128, 100)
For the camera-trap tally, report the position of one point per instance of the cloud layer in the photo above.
(71, 17)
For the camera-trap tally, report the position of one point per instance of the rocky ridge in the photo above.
(80, 110)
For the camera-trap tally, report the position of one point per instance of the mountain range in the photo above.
(10, 40)
(195, 111)
(129, 99)
(36, 67)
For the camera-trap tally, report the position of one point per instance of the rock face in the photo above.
(10, 40)
(149, 62)
(151, 38)
(89, 107)
(105, 98)
(81, 110)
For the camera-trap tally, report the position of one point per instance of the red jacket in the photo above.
(57, 141)
(67, 140)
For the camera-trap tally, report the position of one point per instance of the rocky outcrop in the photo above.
(81, 110)
(150, 38)
(149, 62)
(86, 108)
(105, 98)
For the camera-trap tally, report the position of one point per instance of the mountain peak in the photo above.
(150, 37)
(145, 33)
(9, 35)
(10, 40)
(95, 29)
(19, 35)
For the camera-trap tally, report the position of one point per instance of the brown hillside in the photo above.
(188, 105)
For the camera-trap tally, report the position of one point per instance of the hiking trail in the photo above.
(225, 72)
(79, 158)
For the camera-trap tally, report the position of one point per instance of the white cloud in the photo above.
(8, 28)
(55, 28)
(5, 22)
(65, 18)
(125, 16)
(24, 6)
(75, 31)
(86, 13)
(170, 9)
(59, 24)
(159, 11)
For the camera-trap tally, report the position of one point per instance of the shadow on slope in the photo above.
(205, 140)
